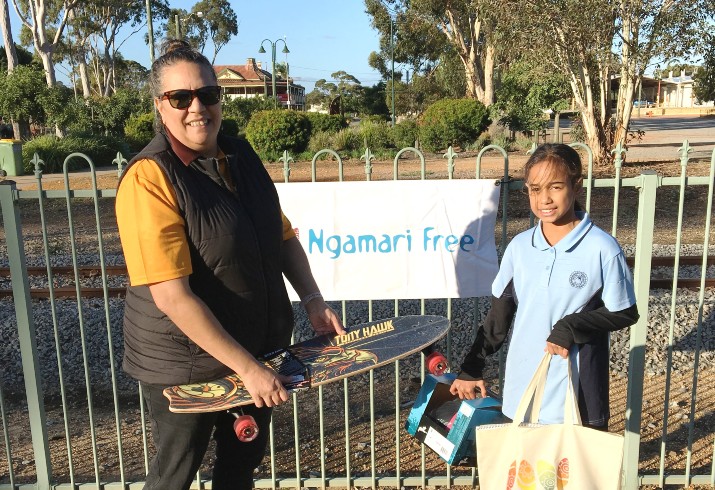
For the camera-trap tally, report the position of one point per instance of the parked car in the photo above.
(642, 103)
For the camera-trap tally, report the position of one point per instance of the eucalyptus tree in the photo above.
(343, 87)
(43, 24)
(218, 22)
(705, 76)
(102, 29)
(424, 30)
(10, 53)
(591, 42)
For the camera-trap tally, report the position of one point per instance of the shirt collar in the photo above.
(569, 241)
(186, 154)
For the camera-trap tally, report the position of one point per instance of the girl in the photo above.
(571, 284)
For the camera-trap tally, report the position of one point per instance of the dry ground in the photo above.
(676, 451)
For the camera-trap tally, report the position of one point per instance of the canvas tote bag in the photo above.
(527, 456)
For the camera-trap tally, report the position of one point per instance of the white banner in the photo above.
(396, 239)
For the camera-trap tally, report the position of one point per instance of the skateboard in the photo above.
(318, 361)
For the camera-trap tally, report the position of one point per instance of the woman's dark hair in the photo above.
(175, 51)
(558, 154)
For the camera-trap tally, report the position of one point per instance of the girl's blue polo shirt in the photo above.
(550, 283)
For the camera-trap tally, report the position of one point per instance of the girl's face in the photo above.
(197, 125)
(552, 193)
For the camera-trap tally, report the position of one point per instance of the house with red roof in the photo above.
(250, 80)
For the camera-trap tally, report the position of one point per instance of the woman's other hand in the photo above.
(323, 318)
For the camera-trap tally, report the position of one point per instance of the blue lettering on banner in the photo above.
(432, 241)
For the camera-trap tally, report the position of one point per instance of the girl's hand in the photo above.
(556, 350)
(467, 390)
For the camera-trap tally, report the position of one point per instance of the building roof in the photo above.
(248, 72)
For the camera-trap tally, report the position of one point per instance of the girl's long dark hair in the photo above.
(558, 154)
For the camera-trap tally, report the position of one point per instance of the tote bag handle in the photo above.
(534, 391)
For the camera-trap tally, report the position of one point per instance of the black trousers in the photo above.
(181, 441)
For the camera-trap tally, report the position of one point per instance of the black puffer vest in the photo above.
(235, 240)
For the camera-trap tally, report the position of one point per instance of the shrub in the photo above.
(272, 132)
(325, 122)
(347, 140)
(455, 122)
(376, 136)
(241, 110)
(139, 130)
(319, 141)
(53, 151)
(229, 127)
(405, 133)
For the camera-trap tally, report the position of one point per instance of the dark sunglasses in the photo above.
(182, 98)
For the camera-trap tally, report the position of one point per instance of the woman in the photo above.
(206, 245)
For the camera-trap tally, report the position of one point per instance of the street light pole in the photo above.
(392, 56)
(178, 28)
(150, 28)
(273, 64)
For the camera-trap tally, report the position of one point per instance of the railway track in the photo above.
(120, 270)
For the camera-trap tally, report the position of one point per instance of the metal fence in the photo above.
(71, 419)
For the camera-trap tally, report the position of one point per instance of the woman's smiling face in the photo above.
(196, 126)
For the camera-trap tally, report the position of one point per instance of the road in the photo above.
(664, 136)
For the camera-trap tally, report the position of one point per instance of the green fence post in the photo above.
(636, 362)
(26, 332)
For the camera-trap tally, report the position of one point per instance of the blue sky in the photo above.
(324, 36)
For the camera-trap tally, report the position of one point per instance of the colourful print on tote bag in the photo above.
(529, 456)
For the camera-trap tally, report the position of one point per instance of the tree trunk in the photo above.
(7, 36)
(489, 75)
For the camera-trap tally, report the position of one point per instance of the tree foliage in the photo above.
(421, 32)
(452, 122)
(705, 77)
(593, 41)
(526, 91)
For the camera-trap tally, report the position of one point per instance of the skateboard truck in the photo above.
(436, 363)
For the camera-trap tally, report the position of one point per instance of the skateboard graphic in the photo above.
(319, 361)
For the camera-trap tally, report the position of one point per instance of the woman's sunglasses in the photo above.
(182, 98)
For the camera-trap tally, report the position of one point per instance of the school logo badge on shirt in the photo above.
(578, 279)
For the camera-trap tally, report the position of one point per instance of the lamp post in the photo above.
(178, 25)
(273, 64)
(392, 57)
(150, 28)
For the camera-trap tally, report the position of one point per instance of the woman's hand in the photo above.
(264, 386)
(467, 390)
(323, 318)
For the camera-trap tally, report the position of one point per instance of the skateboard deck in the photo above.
(318, 361)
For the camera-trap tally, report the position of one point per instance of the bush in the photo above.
(405, 133)
(53, 151)
(452, 122)
(376, 136)
(347, 140)
(229, 127)
(325, 123)
(139, 130)
(241, 110)
(319, 141)
(272, 132)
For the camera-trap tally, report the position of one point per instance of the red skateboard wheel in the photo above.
(437, 364)
(246, 428)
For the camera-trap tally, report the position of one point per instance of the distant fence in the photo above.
(71, 419)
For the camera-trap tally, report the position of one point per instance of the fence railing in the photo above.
(71, 418)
